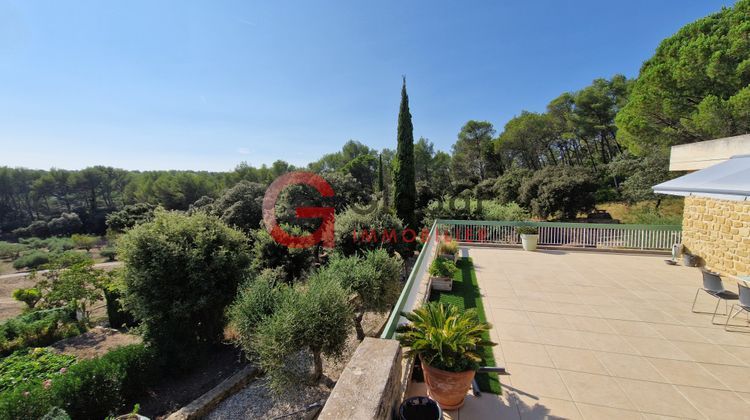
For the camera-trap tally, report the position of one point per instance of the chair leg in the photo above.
(726, 324)
(692, 308)
(716, 309)
(739, 310)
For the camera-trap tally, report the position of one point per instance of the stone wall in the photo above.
(370, 386)
(719, 232)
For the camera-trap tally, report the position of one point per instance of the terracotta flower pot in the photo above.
(447, 388)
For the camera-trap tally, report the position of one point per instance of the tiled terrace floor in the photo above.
(606, 336)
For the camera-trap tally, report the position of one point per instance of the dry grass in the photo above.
(669, 208)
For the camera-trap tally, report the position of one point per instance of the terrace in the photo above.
(591, 334)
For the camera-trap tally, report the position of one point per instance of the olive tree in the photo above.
(180, 273)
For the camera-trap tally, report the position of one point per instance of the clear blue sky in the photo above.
(205, 85)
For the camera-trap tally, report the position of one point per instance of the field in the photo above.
(645, 212)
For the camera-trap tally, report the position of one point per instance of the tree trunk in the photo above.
(318, 366)
(358, 326)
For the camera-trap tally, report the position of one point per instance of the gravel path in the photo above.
(256, 401)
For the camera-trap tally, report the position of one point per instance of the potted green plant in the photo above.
(447, 341)
(448, 249)
(529, 237)
(133, 415)
(441, 273)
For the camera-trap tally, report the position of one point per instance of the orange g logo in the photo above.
(324, 233)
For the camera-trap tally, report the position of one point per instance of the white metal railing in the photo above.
(583, 235)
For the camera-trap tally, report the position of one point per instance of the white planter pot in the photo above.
(529, 242)
(441, 283)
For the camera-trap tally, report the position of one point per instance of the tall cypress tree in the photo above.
(406, 190)
(380, 173)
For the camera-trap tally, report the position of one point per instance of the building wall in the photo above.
(719, 232)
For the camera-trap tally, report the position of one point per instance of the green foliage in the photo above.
(32, 260)
(448, 247)
(505, 188)
(11, 250)
(442, 267)
(55, 244)
(37, 328)
(527, 230)
(267, 253)
(37, 364)
(56, 413)
(403, 166)
(65, 225)
(377, 222)
(362, 168)
(240, 206)
(77, 286)
(312, 319)
(180, 274)
(445, 337)
(108, 252)
(28, 296)
(646, 215)
(452, 208)
(89, 389)
(37, 228)
(639, 174)
(85, 241)
(474, 157)
(695, 87)
(561, 192)
(129, 216)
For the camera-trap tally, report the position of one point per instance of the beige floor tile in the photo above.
(510, 316)
(740, 353)
(717, 404)
(537, 381)
(595, 389)
(679, 333)
(629, 366)
(560, 337)
(656, 398)
(597, 412)
(589, 324)
(502, 302)
(737, 378)
(607, 342)
(707, 353)
(526, 353)
(616, 312)
(546, 408)
(516, 332)
(488, 406)
(680, 372)
(544, 319)
(634, 328)
(717, 335)
(655, 347)
(578, 360)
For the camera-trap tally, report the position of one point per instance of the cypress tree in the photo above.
(380, 173)
(406, 190)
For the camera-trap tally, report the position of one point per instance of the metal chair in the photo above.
(743, 304)
(713, 286)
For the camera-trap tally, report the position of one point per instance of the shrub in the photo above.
(11, 250)
(65, 225)
(77, 286)
(108, 252)
(180, 274)
(373, 231)
(58, 244)
(32, 260)
(38, 328)
(507, 186)
(240, 206)
(454, 208)
(36, 364)
(312, 319)
(442, 267)
(444, 337)
(527, 230)
(558, 191)
(448, 247)
(90, 389)
(129, 216)
(267, 253)
(37, 228)
(85, 241)
(28, 296)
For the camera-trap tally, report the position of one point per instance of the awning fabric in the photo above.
(729, 180)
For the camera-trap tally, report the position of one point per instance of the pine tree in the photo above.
(406, 190)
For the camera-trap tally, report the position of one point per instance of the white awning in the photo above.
(729, 180)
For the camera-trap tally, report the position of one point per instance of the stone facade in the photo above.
(719, 232)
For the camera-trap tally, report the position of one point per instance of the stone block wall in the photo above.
(719, 232)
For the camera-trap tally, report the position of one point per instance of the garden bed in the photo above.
(466, 295)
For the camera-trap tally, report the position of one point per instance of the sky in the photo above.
(202, 85)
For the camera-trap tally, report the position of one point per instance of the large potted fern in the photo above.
(447, 341)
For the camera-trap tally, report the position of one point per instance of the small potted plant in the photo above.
(441, 274)
(447, 341)
(529, 237)
(133, 415)
(448, 249)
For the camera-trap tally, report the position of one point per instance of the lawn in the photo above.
(465, 295)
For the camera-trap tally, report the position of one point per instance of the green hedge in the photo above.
(37, 329)
(90, 389)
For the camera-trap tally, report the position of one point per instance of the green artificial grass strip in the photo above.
(465, 295)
